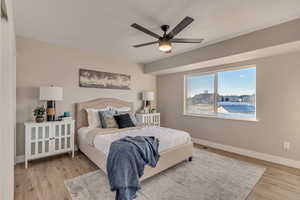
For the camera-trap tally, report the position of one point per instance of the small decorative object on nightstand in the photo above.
(48, 138)
(39, 113)
(149, 119)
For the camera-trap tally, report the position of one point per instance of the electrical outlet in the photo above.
(286, 146)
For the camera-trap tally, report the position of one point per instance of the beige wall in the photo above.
(44, 64)
(7, 103)
(278, 109)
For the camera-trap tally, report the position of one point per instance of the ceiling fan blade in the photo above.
(145, 44)
(140, 28)
(184, 23)
(185, 40)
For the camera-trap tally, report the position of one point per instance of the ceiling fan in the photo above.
(165, 41)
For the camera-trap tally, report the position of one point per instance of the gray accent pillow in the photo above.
(107, 119)
(94, 118)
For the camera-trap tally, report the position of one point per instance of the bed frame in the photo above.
(168, 158)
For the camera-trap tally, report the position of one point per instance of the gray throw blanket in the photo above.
(126, 162)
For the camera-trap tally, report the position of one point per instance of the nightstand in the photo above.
(149, 119)
(48, 138)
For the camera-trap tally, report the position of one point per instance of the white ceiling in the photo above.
(104, 25)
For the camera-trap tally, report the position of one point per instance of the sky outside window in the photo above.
(200, 84)
(232, 82)
(237, 82)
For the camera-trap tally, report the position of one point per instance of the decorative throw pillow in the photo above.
(124, 121)
(107, 119)
(94, 118)
(131, 114)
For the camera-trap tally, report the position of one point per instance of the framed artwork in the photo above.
(98, 79)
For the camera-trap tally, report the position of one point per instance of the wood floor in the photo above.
(44, 179)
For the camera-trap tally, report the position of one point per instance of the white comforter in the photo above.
(168, 138)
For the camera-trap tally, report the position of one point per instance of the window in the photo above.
(229, 93)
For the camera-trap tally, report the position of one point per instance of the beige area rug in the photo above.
(208, 177)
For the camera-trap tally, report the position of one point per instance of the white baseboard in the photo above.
(249, 153)
(20, 159)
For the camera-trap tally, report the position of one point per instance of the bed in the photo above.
(180, 150)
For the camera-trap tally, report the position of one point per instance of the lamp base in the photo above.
(147, 106)
(51, 111)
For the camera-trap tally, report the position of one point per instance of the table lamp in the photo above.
(147, 97)
(51, 94)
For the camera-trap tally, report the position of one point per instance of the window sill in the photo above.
(220, 116)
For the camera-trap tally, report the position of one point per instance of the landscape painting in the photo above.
(99, 79)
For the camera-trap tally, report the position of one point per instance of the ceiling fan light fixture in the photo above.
(165, 46)
(165, 41)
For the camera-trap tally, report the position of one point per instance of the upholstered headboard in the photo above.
(81, 114)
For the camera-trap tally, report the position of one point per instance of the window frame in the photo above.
(215, 114)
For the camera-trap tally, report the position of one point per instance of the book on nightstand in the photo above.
(62, 118)
(66, 118)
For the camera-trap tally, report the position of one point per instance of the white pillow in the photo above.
(122, 109)
(94, 118)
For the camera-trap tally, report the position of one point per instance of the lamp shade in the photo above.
(148, 96)
(51, 93)
(165, 46)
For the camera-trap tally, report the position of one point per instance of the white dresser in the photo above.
(149, 119)
(48, 138)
